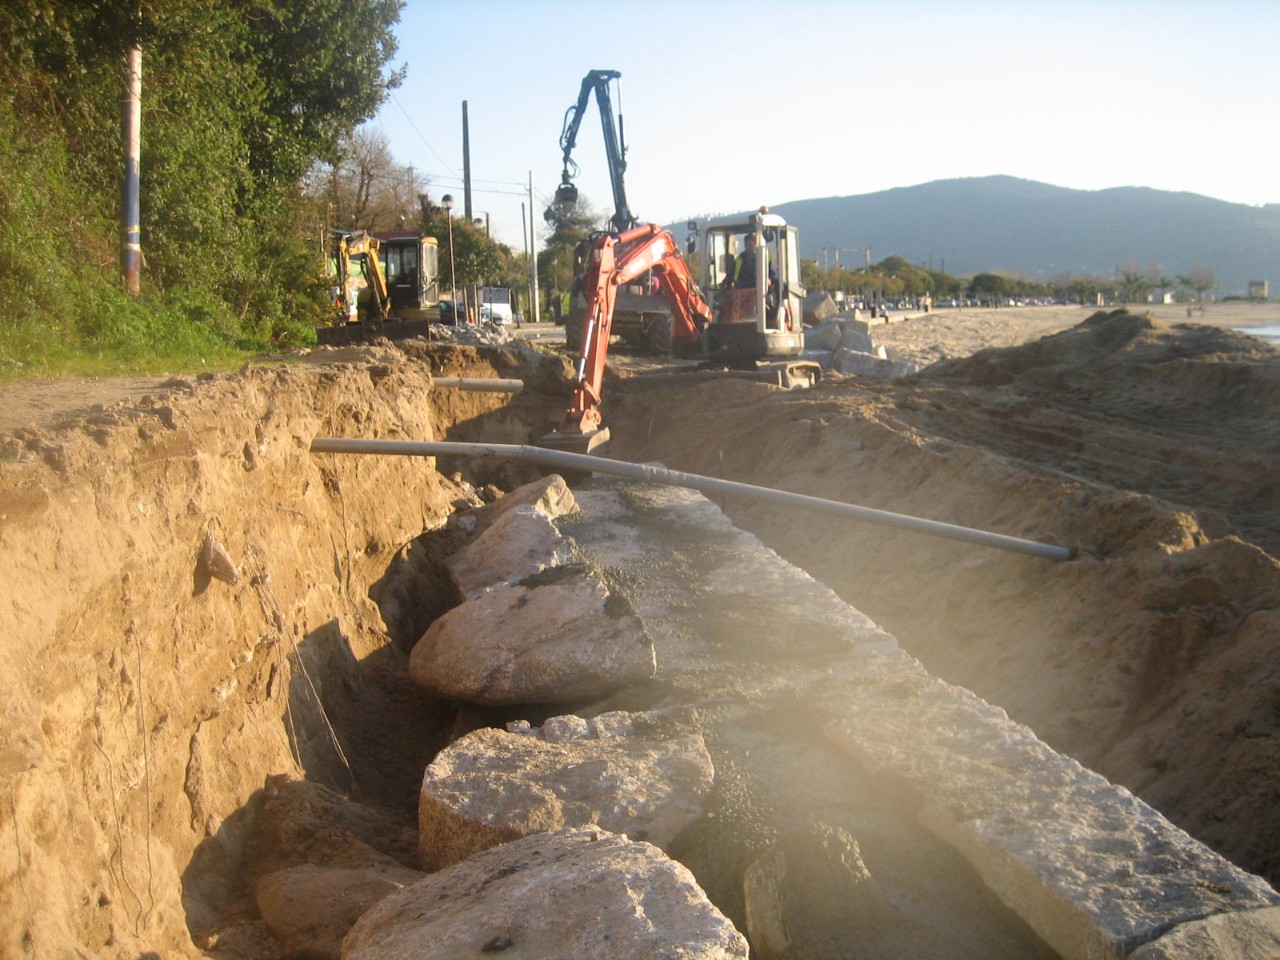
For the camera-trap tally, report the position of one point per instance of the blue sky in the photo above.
(728, 106)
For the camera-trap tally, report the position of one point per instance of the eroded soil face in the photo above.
(147, 695)
(187, 610)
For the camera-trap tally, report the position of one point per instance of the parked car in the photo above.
(452, 312)
(495, 313)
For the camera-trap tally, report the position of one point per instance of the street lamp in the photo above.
(447, 202)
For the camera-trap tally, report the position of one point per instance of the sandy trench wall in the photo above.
(143, 702)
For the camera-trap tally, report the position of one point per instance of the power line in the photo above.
(419, 132)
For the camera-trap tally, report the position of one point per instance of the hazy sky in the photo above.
(727, 106)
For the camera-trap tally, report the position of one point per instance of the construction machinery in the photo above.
(641, 314)
(752, 318)
(387, 286)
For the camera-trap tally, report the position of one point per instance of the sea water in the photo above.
(1270, 334)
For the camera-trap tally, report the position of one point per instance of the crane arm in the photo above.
(597, 82)
(615, 260)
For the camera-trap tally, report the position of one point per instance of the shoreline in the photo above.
(951, 332)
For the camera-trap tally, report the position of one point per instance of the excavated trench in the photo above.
(177, 733)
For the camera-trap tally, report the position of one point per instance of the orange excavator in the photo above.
(615, 260)
(754, 314)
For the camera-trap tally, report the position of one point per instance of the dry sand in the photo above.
(951, 332)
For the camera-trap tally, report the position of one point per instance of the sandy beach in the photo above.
(958, 332)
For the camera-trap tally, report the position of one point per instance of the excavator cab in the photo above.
(752, 284)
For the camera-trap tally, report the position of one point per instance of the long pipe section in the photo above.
(479, 384)
(674, 478)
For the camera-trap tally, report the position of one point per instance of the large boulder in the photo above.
(516, 544)
(549, 496)
(577, 894)
(516, 538)
(825, 336)
(493, 786)
(870, 365)
(559, 638)
(818, 307)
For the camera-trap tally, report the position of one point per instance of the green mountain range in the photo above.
(997, 223)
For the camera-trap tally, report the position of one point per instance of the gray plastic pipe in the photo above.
(479, 384)
(649, 473)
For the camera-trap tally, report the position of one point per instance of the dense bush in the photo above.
(239, 101)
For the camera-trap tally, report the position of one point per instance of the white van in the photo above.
(495, 304)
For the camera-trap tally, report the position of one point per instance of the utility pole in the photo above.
(533, 253)
(131, 188)
(466, 164)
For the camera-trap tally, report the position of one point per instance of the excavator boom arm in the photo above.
(597, 81)
(615, 260)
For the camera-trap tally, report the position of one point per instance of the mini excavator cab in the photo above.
(752, 283)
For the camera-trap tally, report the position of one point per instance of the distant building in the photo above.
(1258, 290)
(1160, 296)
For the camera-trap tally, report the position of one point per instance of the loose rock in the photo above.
(563, 642)
(493, 786)
(577, 894)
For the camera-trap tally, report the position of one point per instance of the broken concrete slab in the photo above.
(1251, 935)
(1092, 869)
(951, 801)
(492, 786)
(575, 894)
(562, 638)
(517, 543)
(869, 365)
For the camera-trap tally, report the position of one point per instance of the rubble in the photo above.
(558, 639)
(492, 786)
(577, 893)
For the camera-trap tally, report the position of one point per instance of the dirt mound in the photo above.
(1150, 448)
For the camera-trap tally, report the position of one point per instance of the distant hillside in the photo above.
(993, 223)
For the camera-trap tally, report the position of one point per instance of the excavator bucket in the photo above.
(588, 441)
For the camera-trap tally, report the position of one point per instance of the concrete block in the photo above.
(1251, 935)
(870, 365)
(825, 336)
(1092, 869)
(857, 340)
(819, 307)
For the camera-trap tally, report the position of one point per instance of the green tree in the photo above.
(571, 225)
(1201, 280)
(1133, 287)
(239, 99)
(989, 288)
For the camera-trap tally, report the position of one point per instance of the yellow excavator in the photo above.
(359, 246)
(385, 287)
